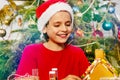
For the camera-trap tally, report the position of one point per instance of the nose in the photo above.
(64, 28)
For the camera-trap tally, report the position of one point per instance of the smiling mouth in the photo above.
(63, 35)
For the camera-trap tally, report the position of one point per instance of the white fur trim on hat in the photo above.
(50, 11)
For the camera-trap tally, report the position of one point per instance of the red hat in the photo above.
(46, 10)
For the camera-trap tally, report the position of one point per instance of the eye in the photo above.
(68, 23)
(57, 24)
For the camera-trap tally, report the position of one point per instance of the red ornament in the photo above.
(98, 32)
(80, 32)
(119, 34)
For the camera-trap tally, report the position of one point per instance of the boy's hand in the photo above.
(72, 77)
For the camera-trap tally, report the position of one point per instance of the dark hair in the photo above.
(45, 36)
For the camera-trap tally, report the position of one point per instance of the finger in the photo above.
(75, 77)
(72, 77)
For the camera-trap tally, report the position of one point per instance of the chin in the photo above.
(61, 42)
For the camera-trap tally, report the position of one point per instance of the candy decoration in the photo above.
(107, 25)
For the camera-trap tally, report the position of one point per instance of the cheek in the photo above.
(51, 32)
(70, 29)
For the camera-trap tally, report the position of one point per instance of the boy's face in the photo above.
(59, 27)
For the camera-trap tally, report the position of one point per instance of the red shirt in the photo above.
(71, 60)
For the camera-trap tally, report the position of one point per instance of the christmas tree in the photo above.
(96, 26)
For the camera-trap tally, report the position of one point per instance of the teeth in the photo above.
(63, 35)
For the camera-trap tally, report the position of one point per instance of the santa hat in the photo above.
(46, 10)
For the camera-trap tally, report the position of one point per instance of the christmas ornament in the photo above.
(111, 9)
(119, 33)
(2, 32)
(79, 2)
(75, 9)
(19, 21)
(88, 49)
(8, 12)
(107, 25)
(80, 32)
(98, 32)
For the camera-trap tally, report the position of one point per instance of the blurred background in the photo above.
(97, 26)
